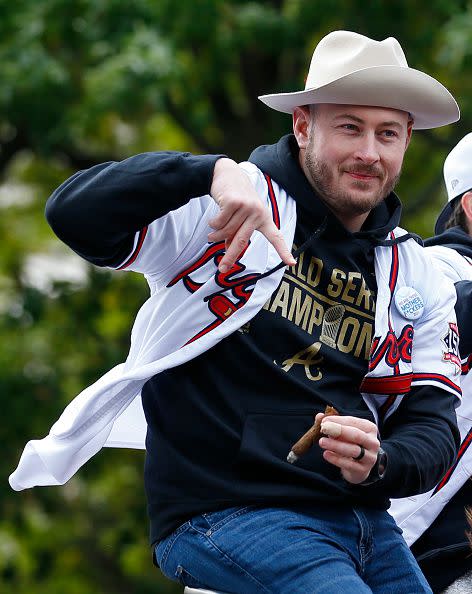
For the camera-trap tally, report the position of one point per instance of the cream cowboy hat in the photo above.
(351, 69)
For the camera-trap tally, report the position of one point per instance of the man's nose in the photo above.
(367, 150)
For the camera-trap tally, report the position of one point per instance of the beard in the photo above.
(344, 202)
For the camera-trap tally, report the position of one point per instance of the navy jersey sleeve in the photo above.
(98, 211)
(421, 440)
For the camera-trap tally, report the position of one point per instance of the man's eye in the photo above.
(390, 133)
(349, 126)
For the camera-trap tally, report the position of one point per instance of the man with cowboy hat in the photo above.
(234, 352)
(434, 523)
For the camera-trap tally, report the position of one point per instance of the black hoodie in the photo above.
(454, 238)
(220, 426)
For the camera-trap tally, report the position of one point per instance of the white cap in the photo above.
(457, 177)
(458, 168)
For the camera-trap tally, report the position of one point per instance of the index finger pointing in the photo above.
(275, 237)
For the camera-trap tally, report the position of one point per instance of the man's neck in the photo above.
(352, 223)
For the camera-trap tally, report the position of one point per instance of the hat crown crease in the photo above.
(338, 56)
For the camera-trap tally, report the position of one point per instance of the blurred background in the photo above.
(86, 81)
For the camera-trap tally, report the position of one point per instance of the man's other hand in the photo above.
(351, 445)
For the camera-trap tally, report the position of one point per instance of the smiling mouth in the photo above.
(362, 176)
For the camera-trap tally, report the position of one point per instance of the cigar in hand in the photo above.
(311, 437)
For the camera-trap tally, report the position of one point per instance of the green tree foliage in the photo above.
(85, 81)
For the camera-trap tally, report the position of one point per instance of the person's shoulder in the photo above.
(451, 262)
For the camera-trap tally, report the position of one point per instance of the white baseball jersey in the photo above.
(415, 514)
(176, 325)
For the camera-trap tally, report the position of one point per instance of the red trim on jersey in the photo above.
(437, 377)
(273, 202)
(392, 283)
(467, 365)
(391, 384)
(463, 448)
(394, 268)
(137, 249)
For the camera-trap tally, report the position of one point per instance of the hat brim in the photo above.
(395, 87)
(444, 216)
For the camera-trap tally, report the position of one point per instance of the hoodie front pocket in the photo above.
(266, 441)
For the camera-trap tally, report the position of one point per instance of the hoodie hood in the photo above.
(280, 162)
(455, 238)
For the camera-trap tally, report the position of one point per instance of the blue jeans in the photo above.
(299, 550)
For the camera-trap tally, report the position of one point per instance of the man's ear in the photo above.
(466, 202)
(301, 126)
